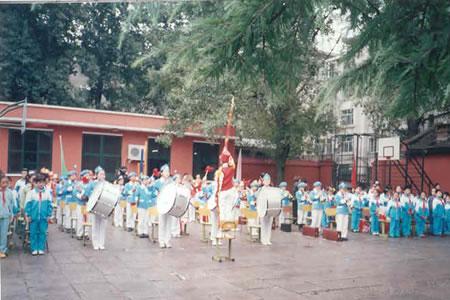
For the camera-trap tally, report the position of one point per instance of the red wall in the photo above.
(4, 149)
(305, 169)
(437, 167)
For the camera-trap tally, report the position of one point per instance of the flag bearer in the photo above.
(408, 203)
(128, 193)
(421, 214)
(59, 199)
(302, 199)
(438, 213)
(343, 199)
(266, 221)
(317, 197)
(38, 210)
(394, 212)
(7, 209)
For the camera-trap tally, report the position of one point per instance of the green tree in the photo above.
(36, 50)
(263, 53)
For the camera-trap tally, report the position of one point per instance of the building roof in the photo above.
(42, 115)
(433, 140)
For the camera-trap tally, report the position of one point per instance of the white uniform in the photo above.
(98, 224)
(266, 230)
(165, 220)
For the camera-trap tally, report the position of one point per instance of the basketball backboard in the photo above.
(389, 148)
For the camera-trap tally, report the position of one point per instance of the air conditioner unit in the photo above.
(134, 152)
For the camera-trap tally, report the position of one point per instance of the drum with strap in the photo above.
(103, 199)
(173, 200)
(268, 201)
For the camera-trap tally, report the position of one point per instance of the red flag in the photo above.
(354, 173)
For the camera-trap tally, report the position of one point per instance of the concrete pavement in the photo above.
(294, 267)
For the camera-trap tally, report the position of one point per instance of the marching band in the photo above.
(38, 198)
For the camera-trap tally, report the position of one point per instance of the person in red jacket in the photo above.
(227, 194)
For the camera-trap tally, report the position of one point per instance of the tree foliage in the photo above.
(399, 57)
(261, 52)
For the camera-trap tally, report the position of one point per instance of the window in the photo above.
(205, 155)
(157, 155)
(347, 117)
(347, 144)
(31, 150)
(102, 150)
(372, 145)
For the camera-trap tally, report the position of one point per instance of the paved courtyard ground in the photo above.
(294, 267)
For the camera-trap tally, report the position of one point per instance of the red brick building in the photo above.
(96, 137)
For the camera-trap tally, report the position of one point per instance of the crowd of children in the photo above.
(38, 197)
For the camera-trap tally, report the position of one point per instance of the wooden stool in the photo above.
(306, 210)
(331, 213)
(253, 215)
(204, 213)
(153, 212)
(228, 230)
(383, 228)
(73, 208)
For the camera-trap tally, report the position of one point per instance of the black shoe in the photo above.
(130, 229)
(344, 239)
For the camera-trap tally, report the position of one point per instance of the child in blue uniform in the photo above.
(317, 198)
(447, 214)
(38, 210)
(128, 193)
(7, 210)
(374, 208)
(394, 212)
(421, 214)
(357, 205)
(69, 186)
(438, 214)
(408, 203)
(329, 203)
(285, 202)
(301, 195)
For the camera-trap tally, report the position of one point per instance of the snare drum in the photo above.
(173, 200)
(103, 199)
(268, 201)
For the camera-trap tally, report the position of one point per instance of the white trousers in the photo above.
(342, 224)
(215, 231)
(143, 221)
(59, 213)
(165, 223)
(175, 229)
(226, 203)
(118, 215)
(301, 217)
(67, 216)
(131, 217)
(266, 229)
(98, 231)
(316, 216)
(80, 220)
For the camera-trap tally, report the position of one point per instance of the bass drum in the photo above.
(103, 199)
(268, 201)
(173, 200)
